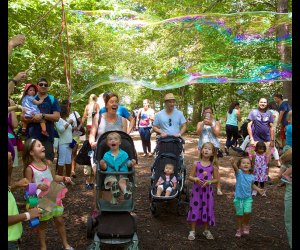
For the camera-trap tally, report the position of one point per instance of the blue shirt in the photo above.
(122, 111)
(34, 128)
(243, 186)
(232, 118)
(288, 135)
(284, 106)
(116, 161)
(169, 124)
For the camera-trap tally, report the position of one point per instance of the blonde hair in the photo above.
(92, 98)
(214, 158)
(114, 134)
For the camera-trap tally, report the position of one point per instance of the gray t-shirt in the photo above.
(105, 126)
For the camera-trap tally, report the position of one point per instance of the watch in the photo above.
(43, 116)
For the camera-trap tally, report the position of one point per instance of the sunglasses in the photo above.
(170, 122)
(43, 84)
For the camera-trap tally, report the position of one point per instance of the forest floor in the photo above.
(170, 230)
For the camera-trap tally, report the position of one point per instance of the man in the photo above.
(50, 111)
(169, 121)
(122, 111)
(283, 109)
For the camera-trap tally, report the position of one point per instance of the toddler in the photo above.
(166, 181)
(31, 106)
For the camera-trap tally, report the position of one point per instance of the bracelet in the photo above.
(27, 216)
(209, 182)
(14, 81)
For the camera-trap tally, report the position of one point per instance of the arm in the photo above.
(238, 114)
(84, 117)
(15, 108)
(159, 181)
(138, 118)
(226, 117)
(21, 76)
(272, 135)
(38, 102)
(92, 136)
(182, 129)
(19, 184)
(200, 126)
(260, 191)
(280, 117)
(131, 163)
(124, 125)
(50, 117)
(249, 129)
(65, 179)
(103, 165)
(15, 41)
(192, 177)
(233, 164)
(14, 219)
(131, 124)
(216, 129)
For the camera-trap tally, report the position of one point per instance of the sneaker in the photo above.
(238, 233)
(69, 248)
(89, 186)
(254, 192)
(208, 235)
(128, 192)
(192, 235)
(219, 192)
(115, 190)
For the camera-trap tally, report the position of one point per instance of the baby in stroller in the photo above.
(117, 160)
(167, 181)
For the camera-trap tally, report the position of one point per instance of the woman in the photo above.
(232, 118)
(109, 121)
(208, 131)
(90, 110)
(144, 121)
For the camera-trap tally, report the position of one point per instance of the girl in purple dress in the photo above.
(203, 174)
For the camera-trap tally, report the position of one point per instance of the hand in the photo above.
(37, 118)
(204, 184)
(67, 179)
(178, 135)
(20, 77)
(42, 187)
(252, 142)
(34, 212)
(231, 159)
(163, 134)
(71, 121)
(93, 145)
(17, 40)
(207, 121)
(198, 181)
(22, 183)
(103, 164)
(261, 191)
(132, 163)
(271, 143)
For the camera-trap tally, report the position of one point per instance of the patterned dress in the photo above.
(261, 168)
(202, 199)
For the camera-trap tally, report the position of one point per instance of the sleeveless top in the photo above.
(105, 126)
(38, 175)
(144, 119)
(232, 118)
(208, 136)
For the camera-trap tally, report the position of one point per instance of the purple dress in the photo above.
(11, 141)
(202, 199)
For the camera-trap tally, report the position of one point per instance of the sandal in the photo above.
(238, 233)
(192, 235)
(115, 190)
(208, 235)
(219, 192)
(246, 230)
(127, 194)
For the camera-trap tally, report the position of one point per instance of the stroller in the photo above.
(169, 150)
(116, 224)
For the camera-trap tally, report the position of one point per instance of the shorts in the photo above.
(49, 149)
(168, 188)
(87, 170)
(282, 132)
(64, 154)
(112, 179)
(13, 245)
(243, 205)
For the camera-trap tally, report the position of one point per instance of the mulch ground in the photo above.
(170, 230)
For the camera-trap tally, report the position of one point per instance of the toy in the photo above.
(32, 201)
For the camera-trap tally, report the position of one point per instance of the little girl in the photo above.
(260, 158)
(31, 106)
(166, 181)
(203, 173)
(35, 170)
(242, 199)
(64, 130)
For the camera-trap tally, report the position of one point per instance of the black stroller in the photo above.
(116, 224)
(169, 150)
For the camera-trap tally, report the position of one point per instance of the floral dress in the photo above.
(202, 199)
(261, 168)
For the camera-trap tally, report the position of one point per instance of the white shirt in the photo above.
(65, 135)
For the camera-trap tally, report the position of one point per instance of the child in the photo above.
(116, 160)
(35, 170)
(14, 218)
(166, 182)
(30, 105)
(64, 130)
(261, 160)
(243, 200)
(203, 173)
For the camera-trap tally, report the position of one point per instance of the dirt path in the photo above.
(169, 231)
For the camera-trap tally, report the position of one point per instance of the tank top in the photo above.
(232, 118)
(208, 136)
(105, 126)
(38, 175)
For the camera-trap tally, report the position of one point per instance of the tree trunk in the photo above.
(197, 106)
(284, 50)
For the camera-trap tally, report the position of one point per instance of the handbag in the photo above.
(82, 158)
(81, 130)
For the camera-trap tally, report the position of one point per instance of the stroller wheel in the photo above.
(89, 231)
(153, 208)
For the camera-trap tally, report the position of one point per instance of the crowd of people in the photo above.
(43, 115)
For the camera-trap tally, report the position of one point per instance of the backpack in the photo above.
(83, 158)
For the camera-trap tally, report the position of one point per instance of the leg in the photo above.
(219, 192)
(42, 235)
(193, 231)
(159, 191)
(288, 212)
(122, 185)
(59, 223)
(60, 170)
(235, 135)
(228, 136)
(239, 220)
(245, 143)
(73, 163)
(276, 157)
(68, 170)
